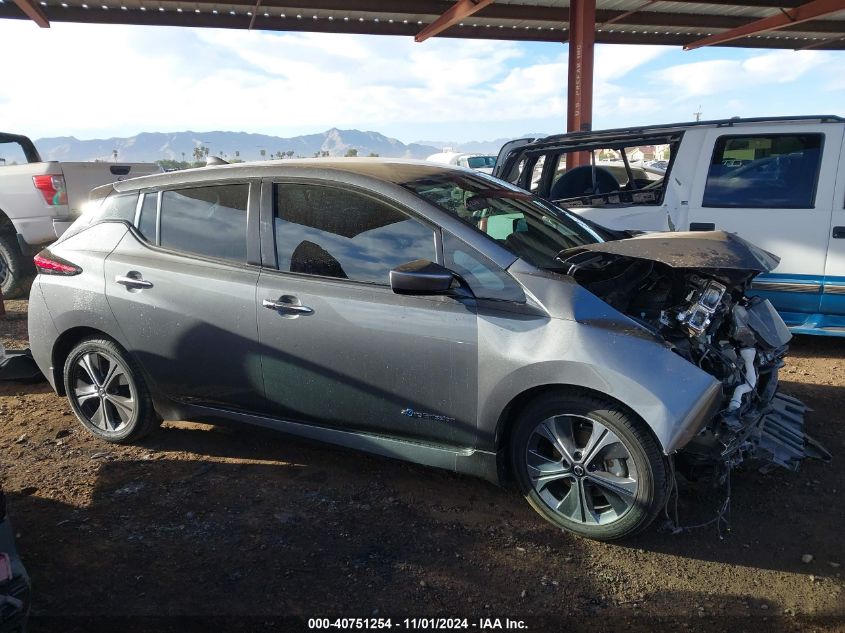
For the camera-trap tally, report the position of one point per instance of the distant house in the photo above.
(639, 154)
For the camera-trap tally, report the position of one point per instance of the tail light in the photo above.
(52, 188)
(49, 264)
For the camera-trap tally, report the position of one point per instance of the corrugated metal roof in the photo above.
(673, 22)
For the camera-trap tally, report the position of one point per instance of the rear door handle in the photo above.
(133, 280)
(838, 232)
(287, 305)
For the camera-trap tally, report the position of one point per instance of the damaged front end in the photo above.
(690, 290)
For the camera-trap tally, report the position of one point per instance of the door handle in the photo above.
(702, 226)
(133, 280)
(287, 305)
(838, 232)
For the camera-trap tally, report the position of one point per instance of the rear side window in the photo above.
(118, 206)
(149, 217)
(777, 171)
(209, 221)
(331, 232)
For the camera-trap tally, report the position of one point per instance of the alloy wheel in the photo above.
(581, 469)
(103, 392)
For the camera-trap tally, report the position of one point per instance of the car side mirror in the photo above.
(421, 277)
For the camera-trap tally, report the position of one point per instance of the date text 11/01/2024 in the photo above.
(431, 624)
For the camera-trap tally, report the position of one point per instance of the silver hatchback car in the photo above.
(425, 313)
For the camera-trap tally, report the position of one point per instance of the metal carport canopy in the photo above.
(785, 24)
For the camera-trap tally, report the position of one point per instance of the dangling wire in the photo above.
(722, 518)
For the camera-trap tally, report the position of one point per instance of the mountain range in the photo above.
(153, 146)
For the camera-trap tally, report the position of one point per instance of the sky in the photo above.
(99, 81)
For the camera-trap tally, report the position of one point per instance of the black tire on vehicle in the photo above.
(588, 465)
(107, 391)
(14, 267)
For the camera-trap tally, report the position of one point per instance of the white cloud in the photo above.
(614, 62)
(122, 79)
(730, 75)
(92, 80)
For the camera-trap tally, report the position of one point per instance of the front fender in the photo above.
(672, 396)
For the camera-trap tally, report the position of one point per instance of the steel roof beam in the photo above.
(33, 12)
(804, 13)
(555, 17)
(460, 10)
(829, 37)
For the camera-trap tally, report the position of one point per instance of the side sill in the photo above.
(467, 461)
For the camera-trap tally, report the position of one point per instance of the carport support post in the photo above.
(579, 101)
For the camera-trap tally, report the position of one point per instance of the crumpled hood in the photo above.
(690, 249)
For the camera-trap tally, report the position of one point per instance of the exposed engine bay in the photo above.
(703, 313)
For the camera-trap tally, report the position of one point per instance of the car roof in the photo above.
(625, 132)
(390, 170)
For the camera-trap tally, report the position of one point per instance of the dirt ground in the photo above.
(233, 530)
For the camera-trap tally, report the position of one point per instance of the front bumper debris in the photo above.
(782, 441)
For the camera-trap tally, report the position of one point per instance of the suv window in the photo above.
(332, 232)
(622, 174)
(764, 171)
(208, 221)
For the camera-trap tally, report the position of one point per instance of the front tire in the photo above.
(107, 392)
(588, 465)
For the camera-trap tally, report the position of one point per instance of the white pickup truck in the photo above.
(777, 182)
(39, 200)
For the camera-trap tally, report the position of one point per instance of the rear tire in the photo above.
(588, 465)
(14, 268)
(107, 391)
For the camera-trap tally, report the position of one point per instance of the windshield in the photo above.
(480, 162)
(528, 227)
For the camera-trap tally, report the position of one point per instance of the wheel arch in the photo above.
(6, 224)
(510, 414)
(69, 338)
(65, 342)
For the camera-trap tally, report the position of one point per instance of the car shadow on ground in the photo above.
(185, 545)
(270, 462)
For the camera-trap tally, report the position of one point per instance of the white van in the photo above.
(777, 182)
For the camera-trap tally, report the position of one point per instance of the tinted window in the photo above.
(208, 221)
(484, 277)
(149, 213)
(339, 233)
(481, 162)
(776, 171)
